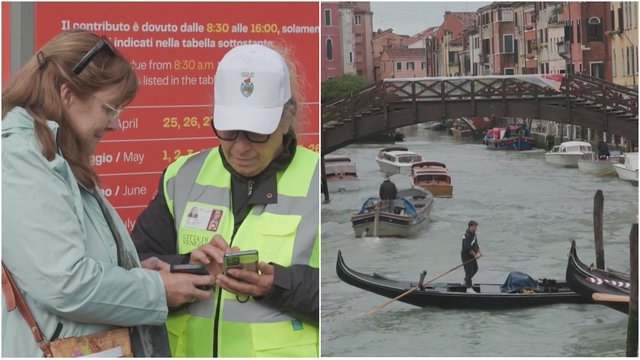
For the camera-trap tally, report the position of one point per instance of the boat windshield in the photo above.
(408, 159)
(405, 159)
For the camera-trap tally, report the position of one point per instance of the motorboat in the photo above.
(461, 133)
(432, 176)
(628, 170)
(590, 163)
(341, 173)
(568, 153)
(512, 137)
(397, 160)
(405, 216)
(519, 291)
(607, 287)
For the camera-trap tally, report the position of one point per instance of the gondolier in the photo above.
(470, 251)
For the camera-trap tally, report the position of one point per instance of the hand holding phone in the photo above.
(247, 259)
(194, 269)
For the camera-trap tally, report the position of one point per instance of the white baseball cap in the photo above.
(251, 86)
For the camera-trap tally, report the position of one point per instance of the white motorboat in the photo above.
(628, 170)
(591, 164)
(397, 160)
(568, 153)
(341, 173)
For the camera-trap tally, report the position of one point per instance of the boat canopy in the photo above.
(516, 281)
(367, 204)
(409, 209)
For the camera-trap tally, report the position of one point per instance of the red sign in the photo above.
(175, 49)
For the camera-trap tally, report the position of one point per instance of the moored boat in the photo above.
(461, 133)
(397, 160)
(409, 213)
(525, 292)
(512, 137)
(568, 153)
(341, 173)
(629, 170)
(432, 176)
(437, 126)
(587, 281)
(591, 164)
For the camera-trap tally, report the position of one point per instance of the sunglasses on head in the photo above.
(231, 135)
(86, 59)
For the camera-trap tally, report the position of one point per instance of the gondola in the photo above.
(454, 295)
(586, 281)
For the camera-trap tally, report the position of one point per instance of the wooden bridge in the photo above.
(393, 103)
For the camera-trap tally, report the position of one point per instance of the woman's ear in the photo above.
(65, 94)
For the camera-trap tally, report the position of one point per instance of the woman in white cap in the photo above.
(257, 190)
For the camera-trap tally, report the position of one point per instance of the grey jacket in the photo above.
(58, 246)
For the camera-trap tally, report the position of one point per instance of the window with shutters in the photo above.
(594, 29)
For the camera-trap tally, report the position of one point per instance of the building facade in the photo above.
(363, 33)
(402, 62)
(624, 43)
(550, 33)
(589, 48)
(384, 39)
(331, 41)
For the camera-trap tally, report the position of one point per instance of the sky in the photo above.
(409, 18)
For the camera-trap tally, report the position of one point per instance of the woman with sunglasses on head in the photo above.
(258, 190)
(69, 253)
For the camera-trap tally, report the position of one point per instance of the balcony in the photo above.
(555, 19)
(483, 58)
(564, 48)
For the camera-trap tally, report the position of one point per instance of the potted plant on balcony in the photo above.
(613, 33)
(539, 47)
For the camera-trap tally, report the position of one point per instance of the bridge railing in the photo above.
(411, 90)
(468, 88)
(349, 106)
(602, 92)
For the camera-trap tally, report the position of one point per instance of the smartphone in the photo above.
(195, 269)
(247, 259)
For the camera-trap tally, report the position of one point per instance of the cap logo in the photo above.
(246, 88)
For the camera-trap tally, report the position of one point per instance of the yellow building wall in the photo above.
(624, 45)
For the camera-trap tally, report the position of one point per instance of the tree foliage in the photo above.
(338, 87)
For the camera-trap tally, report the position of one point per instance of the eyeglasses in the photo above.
(112, 112)
(86, 59)
(231, 135)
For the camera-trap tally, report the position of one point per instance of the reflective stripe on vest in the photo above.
(201, 185)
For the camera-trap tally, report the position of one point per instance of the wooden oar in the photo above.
(379, 307)
(598, 296)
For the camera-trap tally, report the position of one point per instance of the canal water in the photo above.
(528, 212)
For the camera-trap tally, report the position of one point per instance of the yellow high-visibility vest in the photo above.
(197, 190)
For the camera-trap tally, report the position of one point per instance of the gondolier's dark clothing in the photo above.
(469, 243)
(388, 192)
(603, 150)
